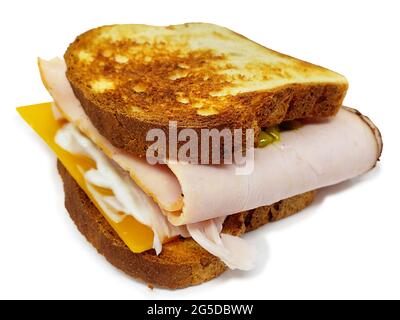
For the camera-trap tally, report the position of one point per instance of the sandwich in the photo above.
(171, 211)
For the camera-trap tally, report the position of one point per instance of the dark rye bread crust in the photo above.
(182, 262)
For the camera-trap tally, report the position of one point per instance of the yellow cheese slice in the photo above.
(135, 235)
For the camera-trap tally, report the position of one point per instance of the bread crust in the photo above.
(262, 110)
(182, 262)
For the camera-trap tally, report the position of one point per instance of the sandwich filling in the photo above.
(126, 198)
(179, 199)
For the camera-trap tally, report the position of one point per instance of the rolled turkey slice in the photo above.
(316, 155)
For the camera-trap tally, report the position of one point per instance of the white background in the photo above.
(345, 245)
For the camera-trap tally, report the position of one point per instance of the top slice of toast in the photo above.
(132, 78)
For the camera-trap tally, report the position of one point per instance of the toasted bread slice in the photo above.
(183, 262)
(132, 78)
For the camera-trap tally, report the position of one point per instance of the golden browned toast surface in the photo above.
(182, 262)
(132, 78)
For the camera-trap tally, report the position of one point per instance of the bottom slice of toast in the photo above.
(182, 262)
